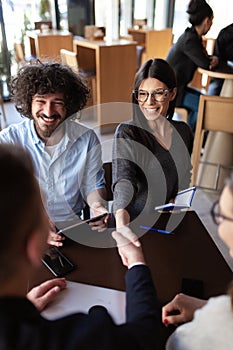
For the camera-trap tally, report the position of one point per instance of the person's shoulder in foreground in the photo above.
(211, 328)
(206, 324)
(21, 322)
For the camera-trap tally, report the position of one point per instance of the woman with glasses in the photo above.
(151, 153)
(211, 327)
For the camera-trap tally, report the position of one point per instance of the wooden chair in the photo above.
(70, 59)
(214, 114)
(20, 55)
(182, 114)
(201, 81)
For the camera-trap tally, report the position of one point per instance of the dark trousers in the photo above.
(191, 103)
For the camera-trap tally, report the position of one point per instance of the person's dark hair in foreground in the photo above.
(23, 232)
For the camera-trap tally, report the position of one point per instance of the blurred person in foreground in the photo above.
(209, 322)
(24, 234)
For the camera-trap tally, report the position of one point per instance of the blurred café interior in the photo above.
(107, 40)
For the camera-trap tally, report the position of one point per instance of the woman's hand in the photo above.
(122, 226)
(181, 309)
(43, 294)
(213, 62)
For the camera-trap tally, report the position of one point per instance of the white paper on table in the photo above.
(79, 297)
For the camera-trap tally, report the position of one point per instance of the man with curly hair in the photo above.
(66, 154)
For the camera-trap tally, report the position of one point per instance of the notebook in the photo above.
(80, 297)
(183, 201)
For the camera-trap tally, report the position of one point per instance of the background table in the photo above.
(44, 45)
(219, 145)
(189, 253)
(115, 65)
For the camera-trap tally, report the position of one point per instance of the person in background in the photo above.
(151, 153)
(223, 48)
(209, 323)
(188, 53)
(66, 154)
(24, 233)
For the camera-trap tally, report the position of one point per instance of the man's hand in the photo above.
(54, 238)
(181, 309)
(129, 252)
(41, 295)
(100, 225)
(126, 232)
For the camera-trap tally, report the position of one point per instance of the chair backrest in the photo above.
(19, 52)
(160, 43)
(69, 58)
(214, 114)
(41, 23)
(201, 81)
(181, 114)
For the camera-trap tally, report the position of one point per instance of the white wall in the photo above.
(106, 15)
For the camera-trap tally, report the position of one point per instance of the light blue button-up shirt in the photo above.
(70, 173)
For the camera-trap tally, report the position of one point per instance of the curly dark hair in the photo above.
(43, 78)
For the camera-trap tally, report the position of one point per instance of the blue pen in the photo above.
(156, 230)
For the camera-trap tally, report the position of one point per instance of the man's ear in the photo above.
(34, 248)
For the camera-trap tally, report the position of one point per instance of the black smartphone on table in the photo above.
(57, 262)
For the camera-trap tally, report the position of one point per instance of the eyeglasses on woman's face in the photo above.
(159, 95)
(217, 217)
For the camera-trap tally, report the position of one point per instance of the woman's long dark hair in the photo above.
(159, 69)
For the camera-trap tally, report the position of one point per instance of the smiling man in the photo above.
(66, 154)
